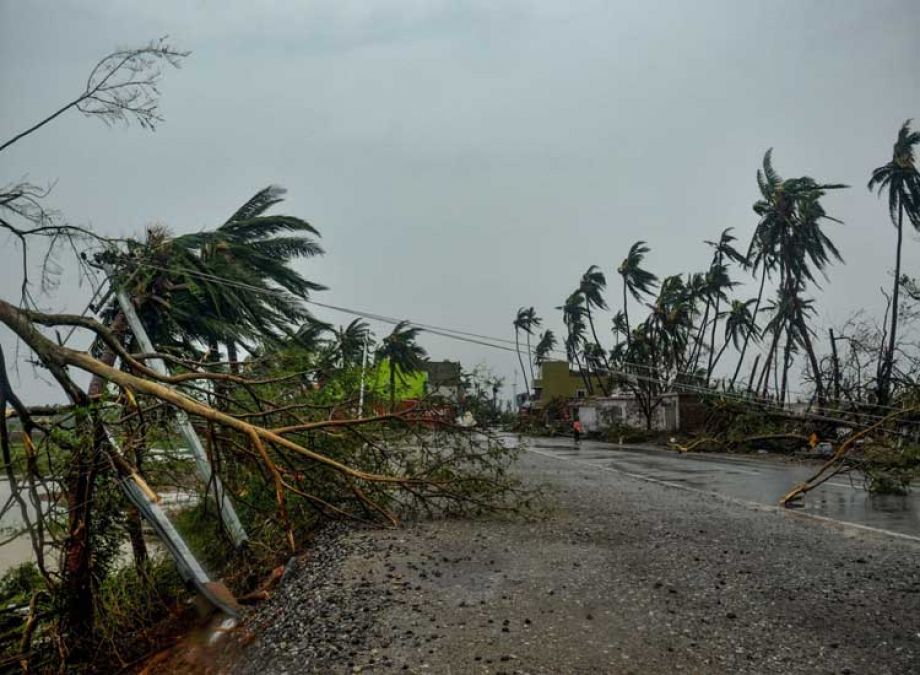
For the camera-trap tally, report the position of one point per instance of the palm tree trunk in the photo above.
(392, 387)
(884, 385)
(712, 342)
(753, 373)
(584, 377)
(603, 351)
(715, 361)
(80, 485)
(787, 351)
(517, 347)
(747, 337)
(533, 378)
(813, 360)
(626, 314)
(698, 340)
(768, 363)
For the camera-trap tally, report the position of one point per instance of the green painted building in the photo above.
(557, 380)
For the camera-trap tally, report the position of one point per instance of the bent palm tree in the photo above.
(349, 342)
(545, 345)
(403, 353)
(740, 321)
(310, 335)
(573, 313)
(525, 320)
(233, 284)
(636, 281)
(533, 321)
(902, 182)
(722, 251)
(790, 238)
(592, 285)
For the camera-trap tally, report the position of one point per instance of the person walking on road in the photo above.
(576, 430)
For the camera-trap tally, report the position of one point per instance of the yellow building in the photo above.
(557, 380)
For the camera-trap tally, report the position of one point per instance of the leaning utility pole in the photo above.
(836, 364)
(191, 571)
(224, 506)
(363, 369)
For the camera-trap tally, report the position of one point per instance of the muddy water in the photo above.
(18, 549)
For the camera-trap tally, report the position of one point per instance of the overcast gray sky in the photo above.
(462, 159)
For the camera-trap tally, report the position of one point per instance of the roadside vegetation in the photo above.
(300, 422)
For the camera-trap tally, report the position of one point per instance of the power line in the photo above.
(490, 341)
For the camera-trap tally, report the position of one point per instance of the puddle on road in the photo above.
(760, 481)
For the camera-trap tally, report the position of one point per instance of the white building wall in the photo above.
(598, 414)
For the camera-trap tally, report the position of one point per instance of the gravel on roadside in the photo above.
(624, 576)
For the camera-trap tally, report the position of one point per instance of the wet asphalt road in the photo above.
(622, 576)
(762, 480)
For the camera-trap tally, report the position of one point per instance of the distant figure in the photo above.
(576, 429)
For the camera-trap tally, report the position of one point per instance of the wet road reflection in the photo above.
(761, 480)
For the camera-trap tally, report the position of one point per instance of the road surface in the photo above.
(623, 576)
(756, 479)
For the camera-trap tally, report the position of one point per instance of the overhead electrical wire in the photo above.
(496, 343)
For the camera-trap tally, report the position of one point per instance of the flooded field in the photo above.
(17, 547)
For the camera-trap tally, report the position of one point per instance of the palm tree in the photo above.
(545, 345)
(636, 281)
(758, 256)
(233, 284)
(654, 360)
(533, 321)
(711, 287)
(902, 181)
(525, 320)
(403, 354)
(573, 313)
(349, 342)
(722, 251)
(592, 285)
(789, 238)
(310, 335)
(619, 326)
(740, 323)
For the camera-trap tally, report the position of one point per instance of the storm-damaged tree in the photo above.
(723, 253)
(545, 347)
(790, 240)
(231, 285)
(740, 325)
(525, 321)
(655, 359)
(901, 180)
(121, 88)
(592, 286)
(573, 317)
(636, 281)
(402, 353)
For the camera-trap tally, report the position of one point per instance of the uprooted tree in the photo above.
(281, 422)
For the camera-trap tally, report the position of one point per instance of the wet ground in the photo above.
(623, 576)
(760, 479)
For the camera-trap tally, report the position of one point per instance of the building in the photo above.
(557, 381)
(674, 412)
(443, 380)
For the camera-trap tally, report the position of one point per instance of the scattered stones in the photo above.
(429, 597)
